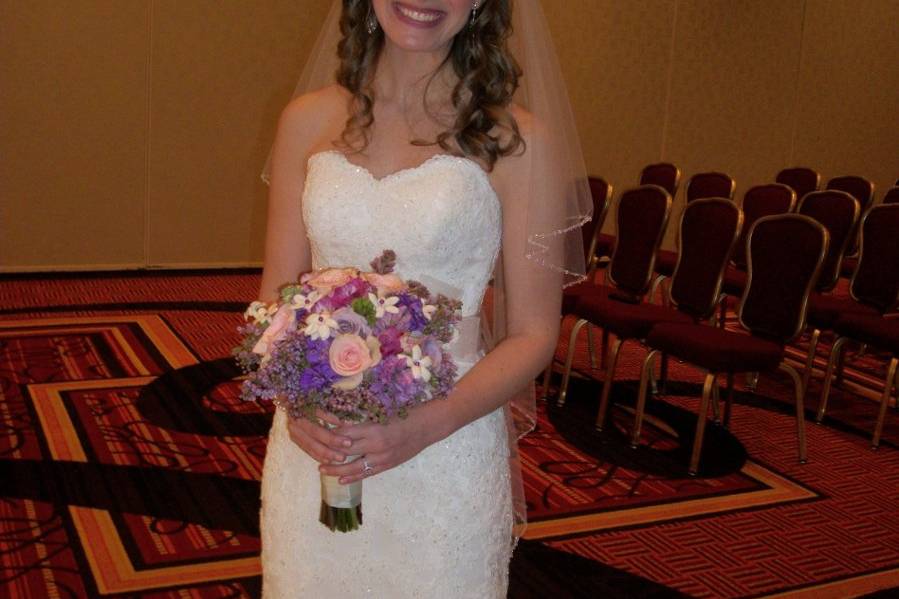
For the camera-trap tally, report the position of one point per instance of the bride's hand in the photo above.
(325, 446)
(382, 446)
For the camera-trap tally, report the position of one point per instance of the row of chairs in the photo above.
(785, 255)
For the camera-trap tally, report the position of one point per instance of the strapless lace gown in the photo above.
(438, 525)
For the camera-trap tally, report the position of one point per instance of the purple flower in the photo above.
(343, 295)
(390, 342)
(350, 322)
(418, 321)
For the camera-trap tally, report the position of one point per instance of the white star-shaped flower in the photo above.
(319, 326)
(260, 312)
(384, 304)
(419, 364)
(305, 302)
(428, 310)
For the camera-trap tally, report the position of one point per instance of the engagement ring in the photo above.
(366, 467)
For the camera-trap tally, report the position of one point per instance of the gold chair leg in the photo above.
(611, 360)
(752, 381)
(828, 376)
(653, 288)
(800, 410)
(547, 377)
(645, 376)
(722, 311)
(590, 348)
(700, 423)
(569, 359)
(810, 360)
(884, 402)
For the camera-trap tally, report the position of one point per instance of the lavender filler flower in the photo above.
(364, 346)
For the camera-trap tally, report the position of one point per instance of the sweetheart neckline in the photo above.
(404, 171)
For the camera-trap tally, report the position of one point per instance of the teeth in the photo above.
(418, 16)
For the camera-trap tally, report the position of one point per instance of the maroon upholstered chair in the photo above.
(863, 191)
(802, 179)
(891, 196)
(708, 231)
(601, 192)
(879, 332)
(838, 212)
(700, 185)
(785, 255)
(664, 174)
(758, 201)
(642, 216)
(874, 287)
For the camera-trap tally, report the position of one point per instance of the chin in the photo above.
(422, 26)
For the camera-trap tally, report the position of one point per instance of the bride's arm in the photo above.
(302, 122)
(533, 302)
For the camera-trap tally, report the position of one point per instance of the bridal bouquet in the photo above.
(364, 346)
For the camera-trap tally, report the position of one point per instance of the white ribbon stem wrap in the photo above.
(341, 496)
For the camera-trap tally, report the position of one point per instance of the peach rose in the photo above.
(326, 280)
(350, 355)
(283, 320)
(385, 284)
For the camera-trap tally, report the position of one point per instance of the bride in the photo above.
(424, 142)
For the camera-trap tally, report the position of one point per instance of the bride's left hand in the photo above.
(382, 446)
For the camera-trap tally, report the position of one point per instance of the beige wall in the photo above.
(132, 132)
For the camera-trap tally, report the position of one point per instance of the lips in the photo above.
(416, 16)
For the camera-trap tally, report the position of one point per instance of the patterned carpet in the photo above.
(129, 467)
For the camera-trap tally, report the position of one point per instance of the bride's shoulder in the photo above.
(317, 109)
(512, 168)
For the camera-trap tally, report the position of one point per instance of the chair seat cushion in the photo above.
(665, 262)
(626, 320)
(605, 243)
(734, 281)
(824, 309)
(571, 295)
(715, 349)
(882, 333)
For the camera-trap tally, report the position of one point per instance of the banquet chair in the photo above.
(873, 289)
(665, 175)
(758, 201)
(891, 196)
(786, 252)
(802, 179)
(601, 194)
(641, 219)
(708, 231)
(875, 331)
(863, 191)
(700, 185)
(838, 212)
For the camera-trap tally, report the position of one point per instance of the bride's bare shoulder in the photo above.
(314, 114)
(512, 168)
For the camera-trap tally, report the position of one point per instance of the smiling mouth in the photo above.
(418, 15)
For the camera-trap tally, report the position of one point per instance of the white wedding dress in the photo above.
(440, 524)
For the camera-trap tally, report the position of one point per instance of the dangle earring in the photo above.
(371, 23)
(474, 12)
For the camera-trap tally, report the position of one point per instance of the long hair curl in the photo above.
(488, 74)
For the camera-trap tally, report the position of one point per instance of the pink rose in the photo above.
(283, 320)
(349, 354)
(385, 284)
(326, 280)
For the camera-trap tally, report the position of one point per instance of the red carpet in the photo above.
(130, 468)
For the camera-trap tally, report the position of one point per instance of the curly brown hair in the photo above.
(488, 77)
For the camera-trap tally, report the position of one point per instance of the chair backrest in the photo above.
(759, 201)
(710, 185)
(786, 252)
(601, 192)
(892, 195)
(664, 174)
(876, 278)
(641, 220)
(863, 191)
(838, 212)
(801, 178)
(709, 229)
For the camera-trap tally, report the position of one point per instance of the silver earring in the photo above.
(371, 23)
(474, 13)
